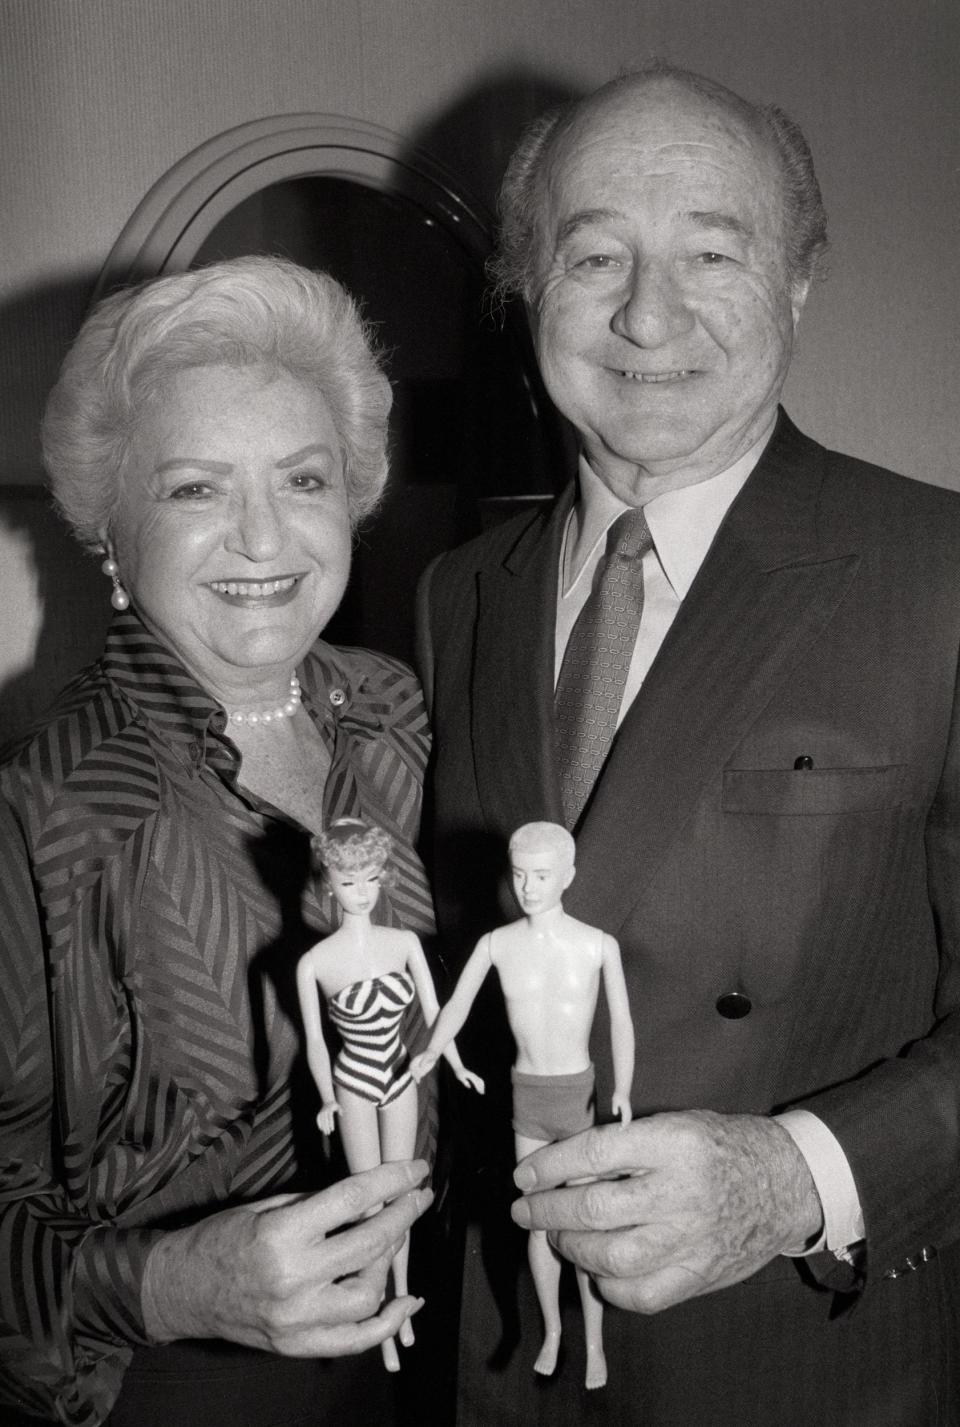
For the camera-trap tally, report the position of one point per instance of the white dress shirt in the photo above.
(683, 524)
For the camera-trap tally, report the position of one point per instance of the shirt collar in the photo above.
(682, 522)
(152, 678)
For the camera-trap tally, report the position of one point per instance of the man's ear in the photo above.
(571, 873)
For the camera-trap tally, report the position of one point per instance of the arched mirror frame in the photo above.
(184, 206)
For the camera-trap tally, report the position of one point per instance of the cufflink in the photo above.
(912, 1262)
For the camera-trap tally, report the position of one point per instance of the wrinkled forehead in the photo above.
(658, 128)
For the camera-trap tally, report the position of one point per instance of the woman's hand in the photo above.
(276, 1275)
(325, 1118)
(472, 1082)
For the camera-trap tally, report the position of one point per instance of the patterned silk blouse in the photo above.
(151, 918)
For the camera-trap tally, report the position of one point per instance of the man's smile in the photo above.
(652, 378)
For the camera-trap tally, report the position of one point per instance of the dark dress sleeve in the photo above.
(69, 1285)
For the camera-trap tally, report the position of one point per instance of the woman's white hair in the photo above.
(251, 311)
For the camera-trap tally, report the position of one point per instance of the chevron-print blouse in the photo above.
(151, 919)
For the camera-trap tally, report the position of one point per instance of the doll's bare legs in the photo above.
(592, 1305)
(398, 1136)
(545, 1266)
(371, 1136)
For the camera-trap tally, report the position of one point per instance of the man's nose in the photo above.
(257, 530)
(653, 309)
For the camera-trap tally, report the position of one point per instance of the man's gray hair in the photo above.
(517, 267)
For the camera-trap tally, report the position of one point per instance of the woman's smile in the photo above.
(253, 594)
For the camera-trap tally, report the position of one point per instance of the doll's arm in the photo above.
(621, 1029)
(318, 1057)
(421, 1064)
(450, 1020)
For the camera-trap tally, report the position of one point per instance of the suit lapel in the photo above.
(766, 589)
(512, 706)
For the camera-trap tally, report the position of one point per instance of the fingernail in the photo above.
(524, 1177)
(424, 1199)
(520, 1212)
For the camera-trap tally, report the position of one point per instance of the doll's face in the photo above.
(541, 875)
(358, 890)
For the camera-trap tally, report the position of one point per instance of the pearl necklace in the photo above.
(250, 718)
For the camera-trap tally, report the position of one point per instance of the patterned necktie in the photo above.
(593, 674)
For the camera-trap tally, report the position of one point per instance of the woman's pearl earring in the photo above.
(119, 599)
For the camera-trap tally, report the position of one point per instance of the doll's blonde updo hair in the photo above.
(351, 844)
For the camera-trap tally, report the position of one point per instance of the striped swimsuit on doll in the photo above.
(373, 1061)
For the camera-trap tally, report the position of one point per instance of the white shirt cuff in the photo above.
(842, 1214)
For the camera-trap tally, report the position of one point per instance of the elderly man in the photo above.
(727, 659)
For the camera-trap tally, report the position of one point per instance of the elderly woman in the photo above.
(215, 436)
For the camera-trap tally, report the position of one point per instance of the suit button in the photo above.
(734, 1005)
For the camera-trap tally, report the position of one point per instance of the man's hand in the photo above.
(677, 1204)
(286, 1274)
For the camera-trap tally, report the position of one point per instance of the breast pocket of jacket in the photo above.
(817, 792)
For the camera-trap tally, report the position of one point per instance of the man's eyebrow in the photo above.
(315, 448)
(705, 218)
(585, 218)
(725, 222)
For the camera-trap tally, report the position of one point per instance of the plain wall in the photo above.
(98, 98)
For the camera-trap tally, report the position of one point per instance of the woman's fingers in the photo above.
(340, 1340)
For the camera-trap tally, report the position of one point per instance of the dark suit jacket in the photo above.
(824, 622)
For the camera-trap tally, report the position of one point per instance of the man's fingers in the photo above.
(599, 1204)
(653, 1293)
(593, 1154)
(624, 1254)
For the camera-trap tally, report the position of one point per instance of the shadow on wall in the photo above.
(476, 134)
(54, 605)
(54, 601)
(465, 452)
